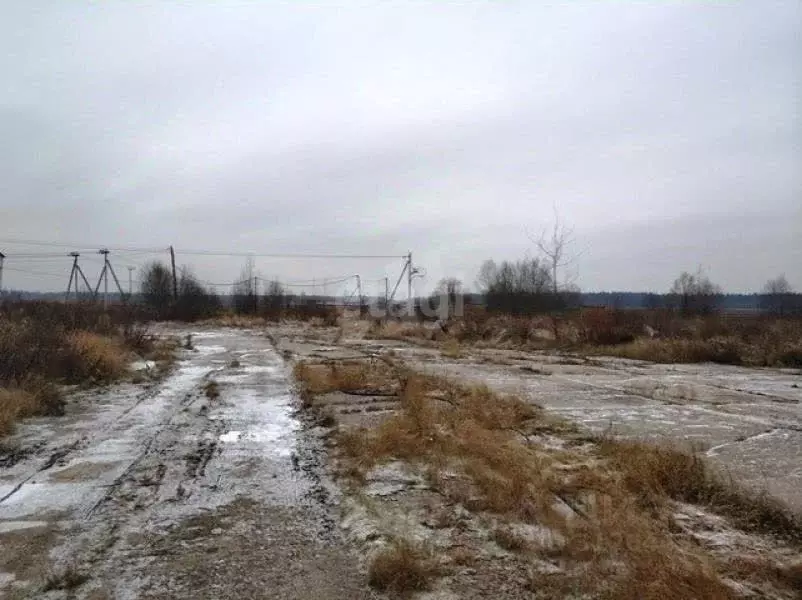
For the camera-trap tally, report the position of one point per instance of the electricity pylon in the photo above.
(74, 273)
(104, 277)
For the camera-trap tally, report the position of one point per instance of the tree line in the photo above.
(190, 300)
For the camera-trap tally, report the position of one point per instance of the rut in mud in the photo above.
(180, 490)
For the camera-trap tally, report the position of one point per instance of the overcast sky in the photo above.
(668, 134)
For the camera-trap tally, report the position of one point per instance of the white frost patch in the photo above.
(231, 436)
(715, 450)
(184, 379)
(33, 498)
(256, 419)
(210, 349)
(392, 478)
(6, 526)
(212, 334)
(142, 365)
(542, 537)
(260, 369)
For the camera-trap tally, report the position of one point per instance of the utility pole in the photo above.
(410, 300)
(130, 282)
(104, 277)
(175, 277)
(359, 293)
(74, 273)
(2, 260)
(386, 297)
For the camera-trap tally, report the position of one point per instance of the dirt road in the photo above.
(170, 493)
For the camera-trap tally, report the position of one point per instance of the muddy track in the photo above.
(167, 492)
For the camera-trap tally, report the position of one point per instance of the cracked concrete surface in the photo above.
(748, 420)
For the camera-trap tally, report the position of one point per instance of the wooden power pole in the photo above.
(175, 277)
(410, 299)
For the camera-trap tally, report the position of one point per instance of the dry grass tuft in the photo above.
(758, 569)
(33, 397)
(362, 376)
(15, 404)
(469, 427)
(68, 579)
(451, 348)
(403, 567)
(621, 551)
(91, 356)
(508, 539)
(212, 390)
(724, 350)
(654, 474)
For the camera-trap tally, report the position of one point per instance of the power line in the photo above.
(43, 273)
(284, 255)
(195, 252)
(35, 255)
(82, 246)
(314, 281)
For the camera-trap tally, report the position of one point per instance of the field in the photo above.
(537, 468)
(345, 458)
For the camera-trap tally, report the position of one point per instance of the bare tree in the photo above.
(695, 293)
(778, 296)
(194, 300)
(555, 247)
(487, 276)
(274, 301)
(245, 297)
(520, 287)
(157, 287)
(778, 286)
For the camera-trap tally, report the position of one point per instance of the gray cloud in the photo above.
(668, 134)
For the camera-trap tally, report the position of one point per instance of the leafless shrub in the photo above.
(68, 579)
(212, 390)
(44, 344)
(403, 567)
(508, 539)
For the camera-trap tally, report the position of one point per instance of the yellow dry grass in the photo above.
(403, 567)
(235, 320)
(610, 503)
(15, 404)
(394, 330)
(322, 378)
(654, 474)
(451, 348)
(34, 396)
(96, 357)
